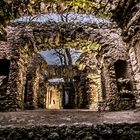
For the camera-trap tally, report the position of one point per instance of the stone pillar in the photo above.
(136, 73)
(36, 80)
(135, 68)
(9, 100)
(33, 87)
(41, 96)
(13, 98)
(94, 90)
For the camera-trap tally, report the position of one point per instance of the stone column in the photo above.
(13, 97)
(136, 73)
(94, 90)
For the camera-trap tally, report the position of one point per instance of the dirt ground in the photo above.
(68, 117)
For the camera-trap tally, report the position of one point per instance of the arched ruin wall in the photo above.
(39, 37)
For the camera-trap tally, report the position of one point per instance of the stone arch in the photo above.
(35, 37)
(111, 53)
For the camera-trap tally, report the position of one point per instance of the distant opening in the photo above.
(68, 96)
(63, 78)
(51, 96)
(120, 69)
(4, 67)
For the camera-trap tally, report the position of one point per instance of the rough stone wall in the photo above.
(134, 59)
(41, 95)
(92, 77)
(132, 37)
(115, 131)
(33, 81)
(22, 62)
(113, 49)
(133, 41)
(80, 87)
(5, 50)
(135, 66)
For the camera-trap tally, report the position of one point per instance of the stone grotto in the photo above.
(56, 63)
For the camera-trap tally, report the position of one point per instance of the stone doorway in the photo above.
(124, 98)
(120, 69)
(123, 81)
(68, 96)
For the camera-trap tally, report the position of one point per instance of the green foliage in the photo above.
(84, 5)
(84, 45)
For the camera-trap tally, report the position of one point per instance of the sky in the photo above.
(53, 58)
(67, 17)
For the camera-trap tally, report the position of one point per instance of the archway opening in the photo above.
(68, 96)
(59, 39)
(63, 77)
(123, 81)
(124, 98)
(4, 67)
